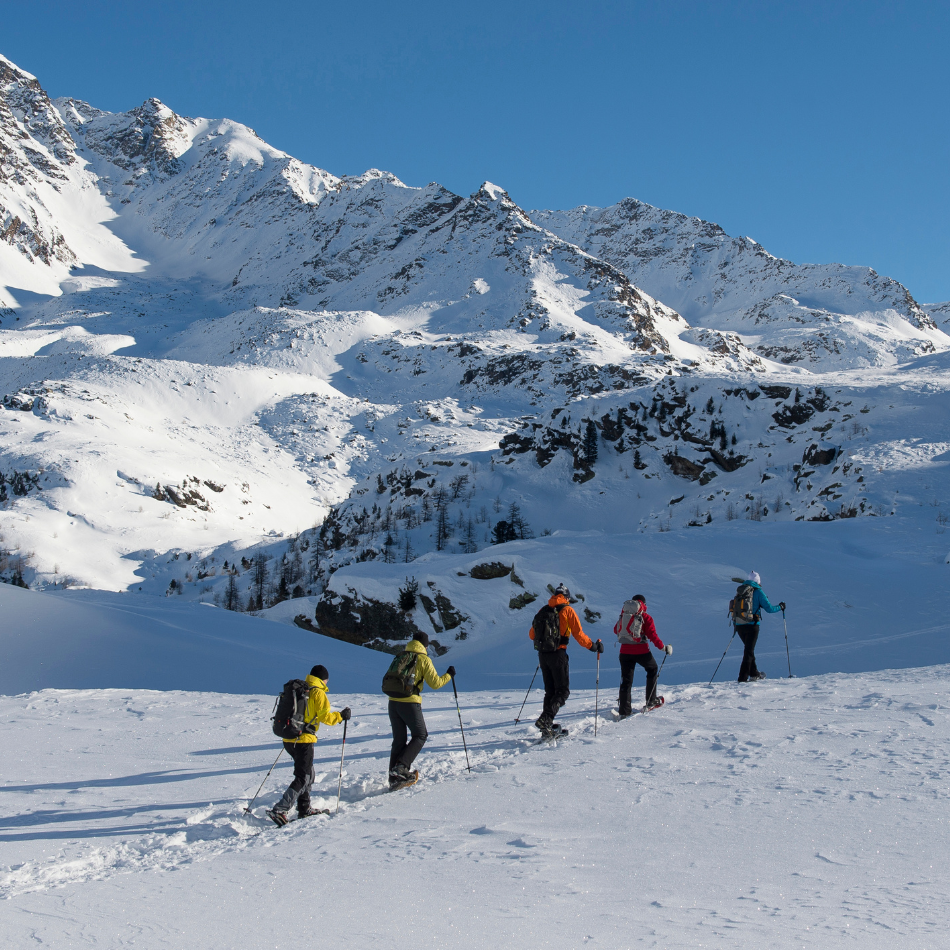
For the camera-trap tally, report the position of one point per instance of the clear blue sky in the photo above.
(819, 129)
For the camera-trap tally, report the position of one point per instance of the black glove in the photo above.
(600, 646)
(782, 606)
(345, 714)
(451, 671)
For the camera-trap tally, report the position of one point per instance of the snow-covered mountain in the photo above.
(824, 316)
(212, 355)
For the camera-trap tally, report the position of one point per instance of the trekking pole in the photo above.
(459, 710)
(787, 657)
(597, 696)
(339, 791)
(520, 711)
(247, 810)
(724, 652)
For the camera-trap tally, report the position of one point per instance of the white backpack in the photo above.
(631, 622)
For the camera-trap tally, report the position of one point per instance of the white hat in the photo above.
(754, 577)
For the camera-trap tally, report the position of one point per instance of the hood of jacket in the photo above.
(314, 682)
(558, 600)
(414, 646)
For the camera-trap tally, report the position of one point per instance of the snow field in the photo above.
(798, 813)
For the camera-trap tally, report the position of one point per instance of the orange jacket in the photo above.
(570, 624)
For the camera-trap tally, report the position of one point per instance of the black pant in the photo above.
(405, 717)
(748, 634)
(628, 666)
(299, 789)
(555, 670)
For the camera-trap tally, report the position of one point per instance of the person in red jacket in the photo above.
(552, 656)
(636, 630)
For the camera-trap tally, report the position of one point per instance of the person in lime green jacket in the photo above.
(405, 716)
(301, 749)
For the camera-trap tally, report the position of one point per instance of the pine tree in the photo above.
(231, 596)
(442, 529)
(590, 443)
(260, 577)
(407, 594)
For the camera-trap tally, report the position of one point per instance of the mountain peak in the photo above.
(492, 192)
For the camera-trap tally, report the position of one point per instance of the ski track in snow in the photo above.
(801, 812)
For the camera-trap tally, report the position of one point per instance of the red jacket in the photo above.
(648, 630)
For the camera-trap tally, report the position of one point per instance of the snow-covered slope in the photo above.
(808, 812)
(230, 375)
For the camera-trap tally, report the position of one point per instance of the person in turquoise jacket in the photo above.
(749, 632)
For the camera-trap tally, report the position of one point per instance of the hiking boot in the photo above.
(656, 701)
(544, 723)
(310, 811)
(402, 777)
(757, 676)
(398, 774)
(279, 818)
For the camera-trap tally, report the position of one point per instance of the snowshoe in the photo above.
(758, 676)
(554, 731)
(402, 780)
(659, 701)
(279, 818)
(310, 812)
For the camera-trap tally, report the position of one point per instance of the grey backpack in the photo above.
(631, 622)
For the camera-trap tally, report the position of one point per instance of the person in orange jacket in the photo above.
(551, 630)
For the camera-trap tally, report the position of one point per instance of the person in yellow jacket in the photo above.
(301, 749)
(552, 654)
(405, 716)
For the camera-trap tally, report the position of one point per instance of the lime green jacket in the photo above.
(425, 673)
(318, 710)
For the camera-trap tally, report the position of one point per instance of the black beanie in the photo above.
(422, 638)
(320, 672)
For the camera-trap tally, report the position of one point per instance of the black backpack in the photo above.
(547, 629)
(290, 711)
(399, 681)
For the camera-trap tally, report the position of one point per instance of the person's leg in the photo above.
(303, 767)
(562, 681)
(753, 639)
(748, 634)
(413, 718)
(547, 664)
(649, 664)
(628, 666)
(399, 733)
(301, 775)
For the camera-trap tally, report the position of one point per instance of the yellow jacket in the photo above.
(425, 672)
(318, 710)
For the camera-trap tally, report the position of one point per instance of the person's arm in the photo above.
(649, 628)
(318, 709)
(433, 680)
(571, 624)
(764, 603)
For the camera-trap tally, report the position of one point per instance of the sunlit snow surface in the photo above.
(807, 812)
